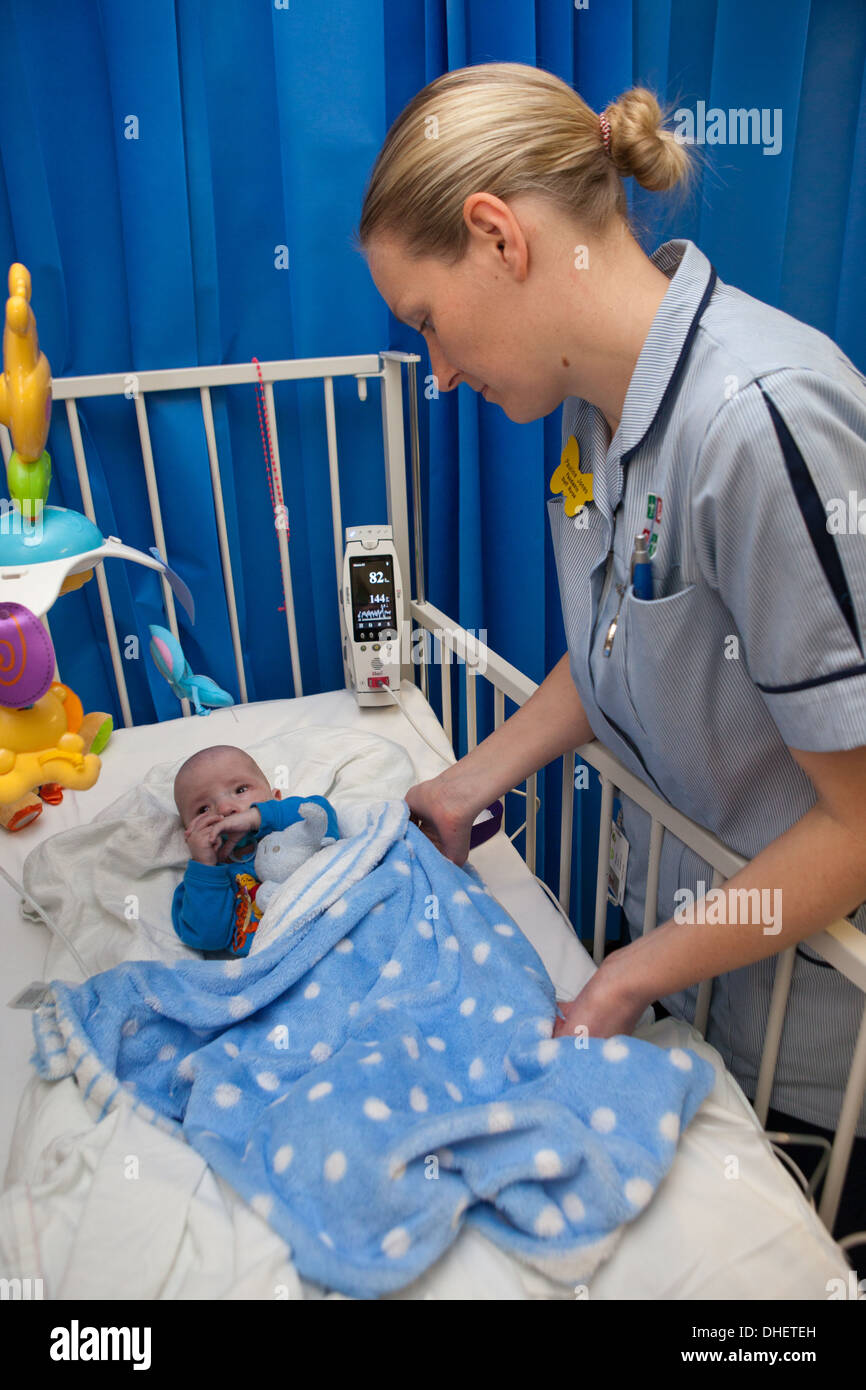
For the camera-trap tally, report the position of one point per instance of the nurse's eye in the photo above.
(425, 325)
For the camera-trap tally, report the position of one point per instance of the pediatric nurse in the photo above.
(495, 222)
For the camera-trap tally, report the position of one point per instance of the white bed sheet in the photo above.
(707, 1234)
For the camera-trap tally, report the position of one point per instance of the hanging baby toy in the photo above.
(46, 740)
(170, 661)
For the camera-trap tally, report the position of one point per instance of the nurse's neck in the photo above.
(603, 326)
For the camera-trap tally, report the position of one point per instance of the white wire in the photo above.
(58, 931)
(555, 900)
(796, 1170)
(399, 703)
(816, 1141)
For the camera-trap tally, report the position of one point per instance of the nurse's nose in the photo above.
(446, 376)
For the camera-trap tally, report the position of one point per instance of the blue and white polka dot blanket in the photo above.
(380, 1070)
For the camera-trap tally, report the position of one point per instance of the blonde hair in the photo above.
(507, 128)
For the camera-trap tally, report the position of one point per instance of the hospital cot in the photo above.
(707, 1233)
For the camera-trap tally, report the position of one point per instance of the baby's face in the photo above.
(225, 783)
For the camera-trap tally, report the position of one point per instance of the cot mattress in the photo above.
(727, 1222)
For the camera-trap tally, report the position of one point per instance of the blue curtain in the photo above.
(183, 181)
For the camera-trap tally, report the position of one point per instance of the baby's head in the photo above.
(220, 779)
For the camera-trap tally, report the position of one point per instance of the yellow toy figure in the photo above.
(51, 742)
(45, 737)
(25, 397)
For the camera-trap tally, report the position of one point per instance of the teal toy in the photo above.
(171, 663)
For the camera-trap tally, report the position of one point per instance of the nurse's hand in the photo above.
(606, 1006)
(439, 810)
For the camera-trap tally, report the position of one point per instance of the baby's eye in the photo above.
(201, 810)
(244, 787)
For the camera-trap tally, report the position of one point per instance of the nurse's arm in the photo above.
(551, 722)
(807, 878)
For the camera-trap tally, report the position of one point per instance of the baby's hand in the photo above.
(235, 827)
(203, 837)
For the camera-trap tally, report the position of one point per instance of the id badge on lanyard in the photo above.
(617, 866)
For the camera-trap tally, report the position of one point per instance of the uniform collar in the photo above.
(663, 355)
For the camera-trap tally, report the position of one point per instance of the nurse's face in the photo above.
(479, 318)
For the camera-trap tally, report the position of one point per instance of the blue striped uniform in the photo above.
(751, 428)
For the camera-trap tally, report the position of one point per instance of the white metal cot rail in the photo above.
(840, 943)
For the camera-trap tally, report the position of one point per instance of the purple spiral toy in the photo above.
(26, 657)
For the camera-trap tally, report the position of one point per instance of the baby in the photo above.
(225, 803)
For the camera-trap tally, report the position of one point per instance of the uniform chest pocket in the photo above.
(664, 675)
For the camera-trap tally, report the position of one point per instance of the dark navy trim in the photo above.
(812, 961)
(678, 366)
(815, 680)
(815, 518)
(633, 746)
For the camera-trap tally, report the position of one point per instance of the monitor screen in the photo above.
(374, 609)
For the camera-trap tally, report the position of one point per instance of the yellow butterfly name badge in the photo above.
(575, 486)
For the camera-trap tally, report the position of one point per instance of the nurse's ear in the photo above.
(494, 225)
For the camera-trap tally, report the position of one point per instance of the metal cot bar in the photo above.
(282, 540)
(498, 707)
(773, 1032)
(566, 824)
(229, 374)
(445, 675)
(395, 472)
(531, 808)
(657, 833)
(334, 478)
(101, 581)
(225, 555)
(414, 438)
(840, 1153)
(471, 711)
(607, 791)
(156, 515)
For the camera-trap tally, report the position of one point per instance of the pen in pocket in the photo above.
(642, 575)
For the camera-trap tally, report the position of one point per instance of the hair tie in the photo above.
(605, 131)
